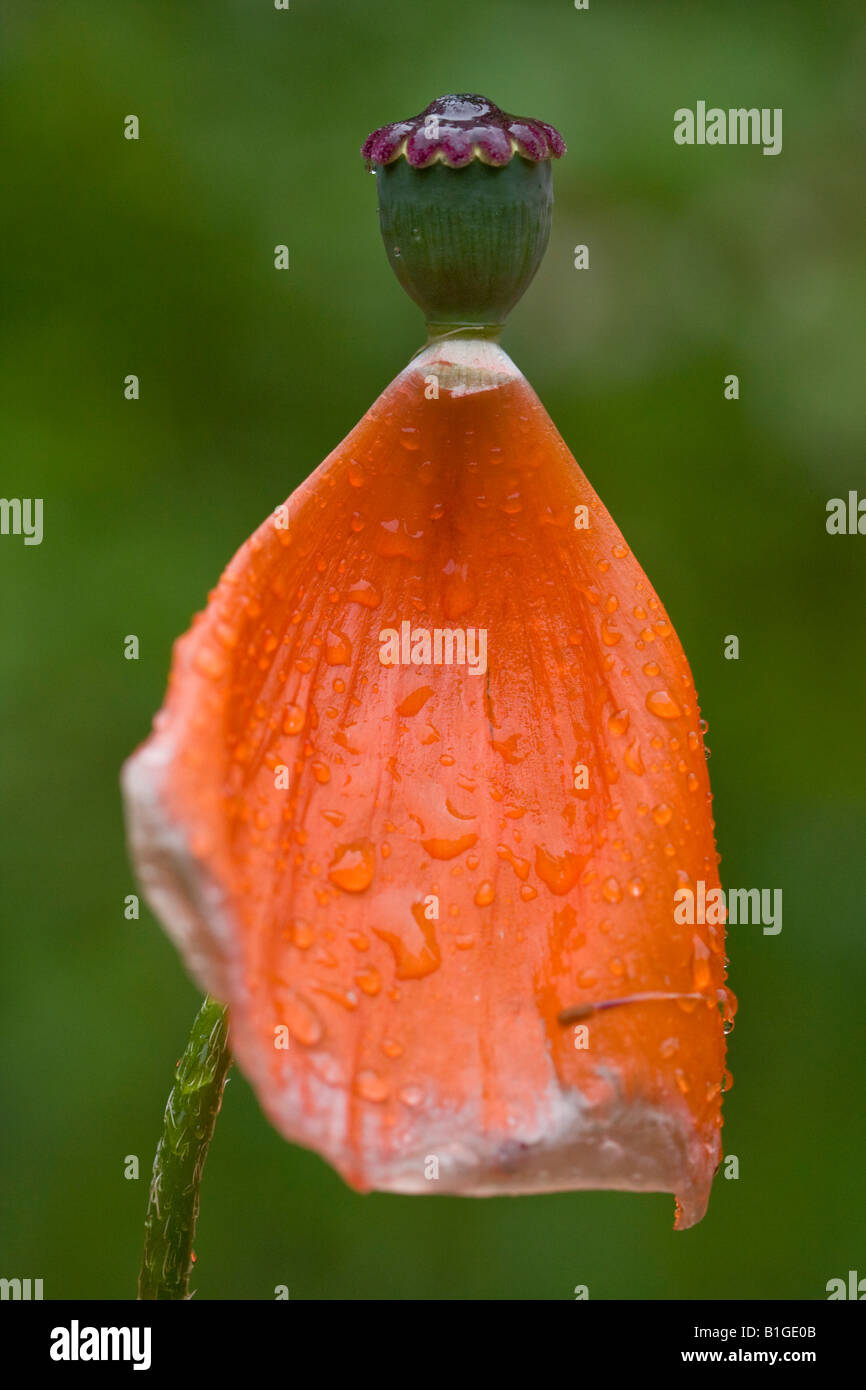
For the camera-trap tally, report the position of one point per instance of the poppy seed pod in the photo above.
(430, 769)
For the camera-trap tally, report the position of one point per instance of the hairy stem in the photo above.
(190, 1116)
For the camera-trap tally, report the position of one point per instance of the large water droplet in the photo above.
(353, 866)
(559, 871)
(369, 980)
(338, 649)
(633, 759)
(365, 593)
(458, 592)
(293, 719)
(618, 722)
(414, 702)
(660, 703)
(728, 1002)
(439, 848)
(394, 538)
(413, 943)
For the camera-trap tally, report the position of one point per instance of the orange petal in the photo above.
(400, 869)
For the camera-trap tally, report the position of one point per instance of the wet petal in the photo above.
(457, 884)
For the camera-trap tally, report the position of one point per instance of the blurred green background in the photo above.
(156, 258)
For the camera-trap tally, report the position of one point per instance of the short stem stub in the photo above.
(188, 1126)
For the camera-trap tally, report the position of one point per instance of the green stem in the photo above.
(190, 1117)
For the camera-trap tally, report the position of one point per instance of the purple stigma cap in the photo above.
(454, 130)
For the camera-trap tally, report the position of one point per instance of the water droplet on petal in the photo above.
(512, 504)
(338, 649)
(209, 662)
(611, 890)
(413, 943)
(633, 759)
(411, 1096)
(363, 592)
(618, 723)
(353, 866)
(728, 1001)
(301, 934)
(700, 964)
(439, 848)
(293, 719)
(559, 871)
(660, 703)
(414, 702)
(301, 1019)
(370, 1086)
